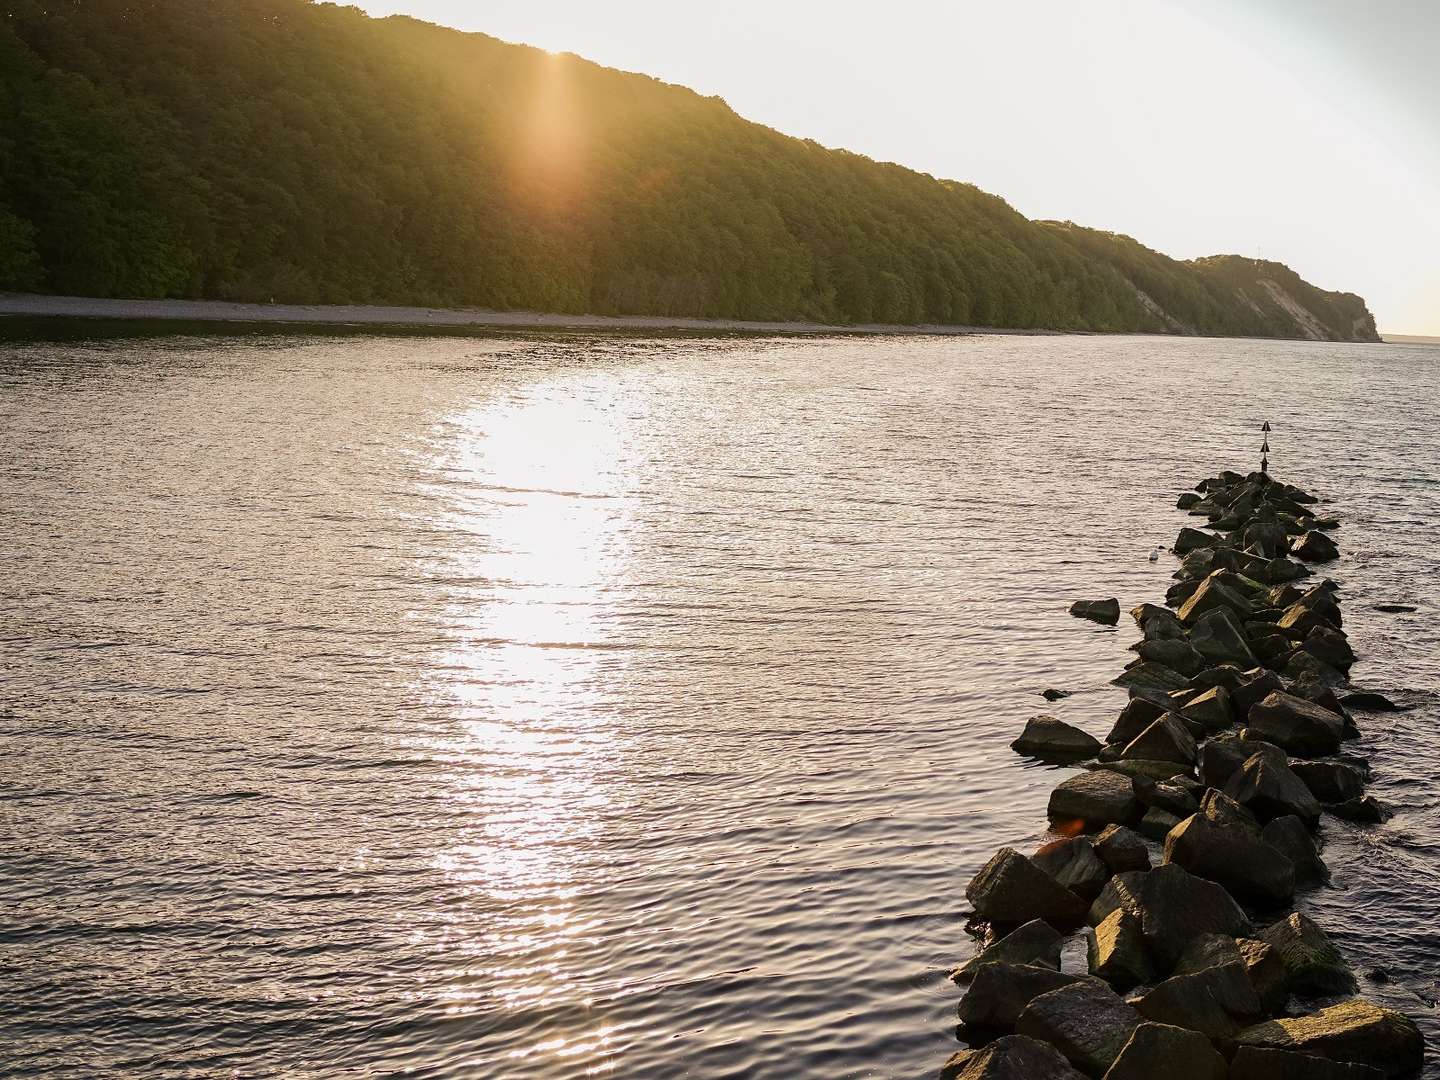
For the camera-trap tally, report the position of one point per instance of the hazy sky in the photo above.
(1305, 130)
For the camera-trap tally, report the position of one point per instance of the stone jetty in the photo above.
(1182, 840)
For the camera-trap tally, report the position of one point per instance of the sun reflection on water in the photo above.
(538, 495)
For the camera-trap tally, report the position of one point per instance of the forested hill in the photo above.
(277, 149)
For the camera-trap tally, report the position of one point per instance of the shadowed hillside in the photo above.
(276, 149)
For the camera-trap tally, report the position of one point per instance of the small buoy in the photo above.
(1155, 553)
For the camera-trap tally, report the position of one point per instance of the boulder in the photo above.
(1279, 571)
(1087, 1022)
(1150, 679)
(1197, 565)
(1192, 540)
(1219, 809)
(1178, 593)
(1166, 739)
(1261, 964)
(1227, 675)
(1253, 1063)
(1355, 1031)
(1273, 651)
(1366, 810)
(1138, 769)
(1219, 637)
(1051, 739)
(1013, 1057)
(1257, 684)
(1217, 1001)
(1121, 893)
(1329, 647)
(1173, 798)
(1219, 590)
(1157, 823)
(1074, 864)
(1211, 710)
(1317, 607)
(1299, 727)
(1266, 536)
(1266, 971)
(1221, 758)
(1291, 837)
(1097, 797)
(1174, 653)
(1368, 701)
(1122, 849)
(1330, 781)
(1315, 546)
(1161, 1050)
(1137, 715)
(999, 993)
(1010, 890)
(1176, 907)
(1116, 950)
(1233, 857)
(1036, 942)
(1302, 665)
(1312, 964)
(1269, 789)
(1187, 500)
(1101, 611)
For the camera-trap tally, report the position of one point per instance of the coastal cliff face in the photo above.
(283, 150)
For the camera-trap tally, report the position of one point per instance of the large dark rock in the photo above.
(1176, 907)
(1366, 810)
(1036, 942)
(1192, 540)
(1330, 647)
(1269, 789)
(1266, 536)
(1122, 849)
(1222, 756)
(1330, 781)
(1116, 951)
(1302, 665)
(1217, 1001)
(1166, 739)
(1010, 890)
(1260, 962)
(1219, 809)
(1139, 769)
(1157, 823)
(1290, 836)
(1315, 547)
(1174, 653)
(1121, 893)
(1314, 607)
(1074, 864)
(1355, 1031)
(1097, 797)
(1254, 1063)
(1219, 590)
(1172, 797)
(999, 993)
(1211, 710)
(1369, 701)
(1137, 715)
(1013, 1057)
(1258, 684)
(1279, 571)
(1087, 1022)
(1233, 857)
(1219, 636)
(1051, 739)
(1312, 964)
(1101, 611)
(1162, 1051)
(1297, 726)
(1150, 679)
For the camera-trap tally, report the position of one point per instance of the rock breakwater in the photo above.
(1183, 840)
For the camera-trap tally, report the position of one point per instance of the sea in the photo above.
(548, 705)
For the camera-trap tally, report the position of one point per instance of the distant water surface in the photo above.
(556, 706)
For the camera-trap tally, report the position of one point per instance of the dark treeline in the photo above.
(278, 149)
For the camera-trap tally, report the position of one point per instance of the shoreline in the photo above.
(80, 307)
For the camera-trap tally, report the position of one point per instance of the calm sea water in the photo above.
(550, 707)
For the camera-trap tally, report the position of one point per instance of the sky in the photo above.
(1305, 131)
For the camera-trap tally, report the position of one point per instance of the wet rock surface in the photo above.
(1227, 755)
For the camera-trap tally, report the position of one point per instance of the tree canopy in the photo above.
(302, 152)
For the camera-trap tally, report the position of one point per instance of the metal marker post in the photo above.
(1265, 449)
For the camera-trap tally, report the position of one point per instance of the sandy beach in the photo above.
(81, 307)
